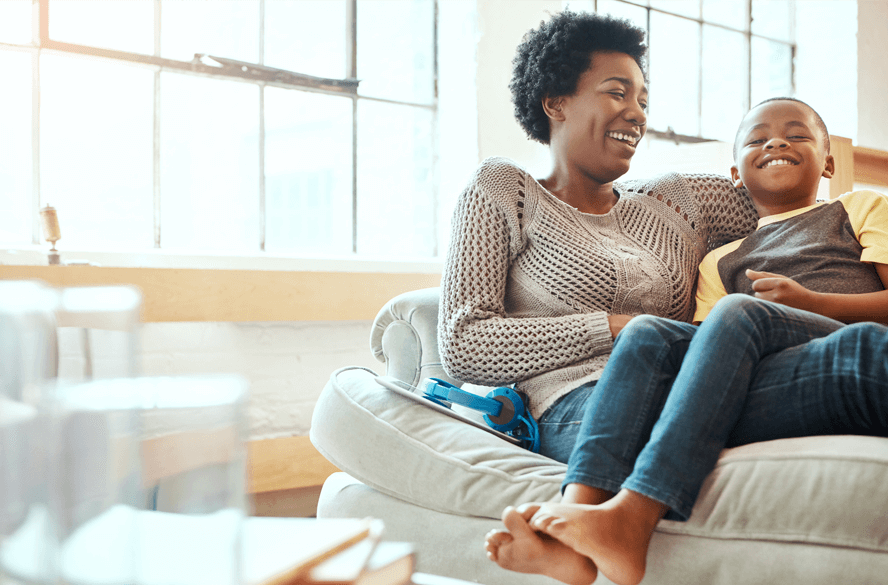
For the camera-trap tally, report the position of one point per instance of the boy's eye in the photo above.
(757, 141)
(798, 138)
(618, 94)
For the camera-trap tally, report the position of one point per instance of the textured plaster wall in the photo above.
(286, 364)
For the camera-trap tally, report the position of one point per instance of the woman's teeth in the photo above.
(622, 137)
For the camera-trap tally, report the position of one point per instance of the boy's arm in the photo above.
(848, 308)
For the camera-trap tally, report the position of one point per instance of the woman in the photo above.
(542, 275)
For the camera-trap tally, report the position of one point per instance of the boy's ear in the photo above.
(552, 106)
(735, 177)
(830, 168)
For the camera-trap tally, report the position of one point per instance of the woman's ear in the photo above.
(735, 177)
(552, 106)
(830, 168)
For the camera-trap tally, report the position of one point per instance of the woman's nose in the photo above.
(636, 115)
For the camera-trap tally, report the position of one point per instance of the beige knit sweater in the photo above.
(529, 280)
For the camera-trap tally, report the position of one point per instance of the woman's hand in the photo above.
(617, 322)
(781, 289)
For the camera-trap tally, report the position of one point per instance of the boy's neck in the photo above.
(776, 203)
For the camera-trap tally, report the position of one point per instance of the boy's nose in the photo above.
(776, 143)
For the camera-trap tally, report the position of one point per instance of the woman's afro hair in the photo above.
(551, 59)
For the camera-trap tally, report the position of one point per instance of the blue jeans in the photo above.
(673, 395)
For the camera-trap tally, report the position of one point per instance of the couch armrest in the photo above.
(405, 337)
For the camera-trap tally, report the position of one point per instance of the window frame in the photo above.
(215, 67)
(669, 134)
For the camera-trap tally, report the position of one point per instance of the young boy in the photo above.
(682, 393)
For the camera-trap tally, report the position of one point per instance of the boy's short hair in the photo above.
(551, 59)
(818, 120)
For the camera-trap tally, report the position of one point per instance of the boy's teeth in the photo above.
(779, 161)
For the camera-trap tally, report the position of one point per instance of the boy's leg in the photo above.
(834, 385)
(709, 392)
(624, 405)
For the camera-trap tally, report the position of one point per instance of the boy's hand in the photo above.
(781, 289)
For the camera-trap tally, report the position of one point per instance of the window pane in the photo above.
(209, 164)
(773, 18)
(15, 21)
(307, 36)
(111, 24)
(727, 12)
(395, 192)
(684, 7)
(308, 172)
(395, 49)
(675, 74)
(723, 90)
(771, 70)
(15, 148)
(96, 151)
(636, 14)
(225, 29)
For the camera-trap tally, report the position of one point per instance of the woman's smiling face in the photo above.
(604, 120)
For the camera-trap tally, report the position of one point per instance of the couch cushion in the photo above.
(414, 453)
(814, 490)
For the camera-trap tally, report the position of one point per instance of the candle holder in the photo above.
(51, 232)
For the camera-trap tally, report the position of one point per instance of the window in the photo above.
(296, 127)
(710, 60)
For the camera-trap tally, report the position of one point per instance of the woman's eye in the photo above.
(618, 94)
(644, 106)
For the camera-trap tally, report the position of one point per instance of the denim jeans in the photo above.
(673, 395)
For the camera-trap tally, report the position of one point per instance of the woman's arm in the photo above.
(477, 341)
(848, 308)
(726, 211)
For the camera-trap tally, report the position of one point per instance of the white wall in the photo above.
(872, 74)
(501, 24)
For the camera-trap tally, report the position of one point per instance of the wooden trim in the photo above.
(174, 294)
(843, 178)
(856, 164)
(284, 464)
(870, 166)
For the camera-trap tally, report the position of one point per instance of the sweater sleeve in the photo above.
(478, 342)
(728, 212)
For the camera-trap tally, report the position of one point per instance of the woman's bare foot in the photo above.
(519, 548)
(615, 534)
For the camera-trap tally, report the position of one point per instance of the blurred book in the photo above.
(279, 551)
(389, 563)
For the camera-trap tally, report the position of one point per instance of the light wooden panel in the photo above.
(870, 166)
(172, 294)
(284, 464)
(843, 178)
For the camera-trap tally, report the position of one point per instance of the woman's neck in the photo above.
(580, 190)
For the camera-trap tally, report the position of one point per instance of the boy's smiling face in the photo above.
(781, 156)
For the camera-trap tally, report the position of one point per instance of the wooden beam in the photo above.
(174, 294)
(843, 153)
(284, 464)
(870, 166)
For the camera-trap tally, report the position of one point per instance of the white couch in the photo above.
(809, 511)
